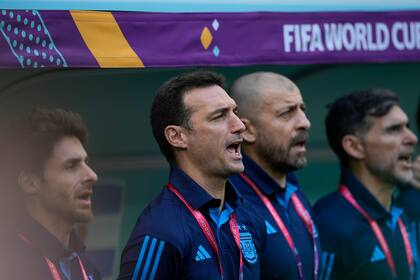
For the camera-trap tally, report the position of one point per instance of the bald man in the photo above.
(273, 111)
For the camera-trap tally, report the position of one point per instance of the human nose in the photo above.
(237, 125)
(303, 121)
(90, 175)
(411, 138)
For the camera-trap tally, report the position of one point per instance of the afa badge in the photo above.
(248, 248)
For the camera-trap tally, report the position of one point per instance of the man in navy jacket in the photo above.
(198, 227)
(273, 111)
(50, 186)
(364, 234)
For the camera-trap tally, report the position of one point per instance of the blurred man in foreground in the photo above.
(52, 183)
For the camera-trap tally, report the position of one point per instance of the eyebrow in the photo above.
(222, 110)
(76, 159)
(291, 106)
(398, 125)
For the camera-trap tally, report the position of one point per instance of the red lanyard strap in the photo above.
(306, 218)
(51, 266)
(345, 192)
(303, 214)
(208, 233)
(234, 229)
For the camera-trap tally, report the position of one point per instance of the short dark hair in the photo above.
(350, 114)
(168, 107)
(34, 136)
(27, 144)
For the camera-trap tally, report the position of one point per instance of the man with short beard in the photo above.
(363, 233)
(273, 111)
(49, 185)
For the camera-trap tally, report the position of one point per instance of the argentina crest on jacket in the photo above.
(247, 245)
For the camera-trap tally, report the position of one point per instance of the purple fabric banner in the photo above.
(55, 39)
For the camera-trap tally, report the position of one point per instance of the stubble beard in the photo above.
(390, 175)
(279, 158)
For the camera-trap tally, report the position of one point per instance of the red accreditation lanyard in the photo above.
(208, 233)
(345, 192)
(304, 216)
(51, 266)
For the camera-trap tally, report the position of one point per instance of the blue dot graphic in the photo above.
(28, 61)
(16, 31)
(43, 43)
(32, 24)
(51, 46)
(28, 49)
(11, 14)
(35, 64)
(58, 61)
(9, 27)
(21, 47)
(31, 37)
(51, 58)
(34, 12)
(36, 52)
(44, 55)
(25, 21)
(21, 59)
(2, 24)
(3, 12)
(18, 18)
(37, 40)
(38, 27)
(23, 34)
(14, 43)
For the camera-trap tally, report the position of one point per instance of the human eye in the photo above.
(236, 112)
(286, 114)
(395, 128)
(219, 115)
(71, 164)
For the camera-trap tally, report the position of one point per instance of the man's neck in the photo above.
(216, 188)
(54, 224)
(213, 185)
(278, 176)
(380, 189)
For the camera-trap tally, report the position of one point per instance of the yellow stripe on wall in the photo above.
(104, 38)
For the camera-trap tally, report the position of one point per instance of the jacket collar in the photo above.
(264, 181)
(196, 196)
(362, 195)
(45, 242)
(409, 201)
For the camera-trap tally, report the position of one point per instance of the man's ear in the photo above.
(353, 146)
(176, 136)
(249, 133)
(28, 182)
